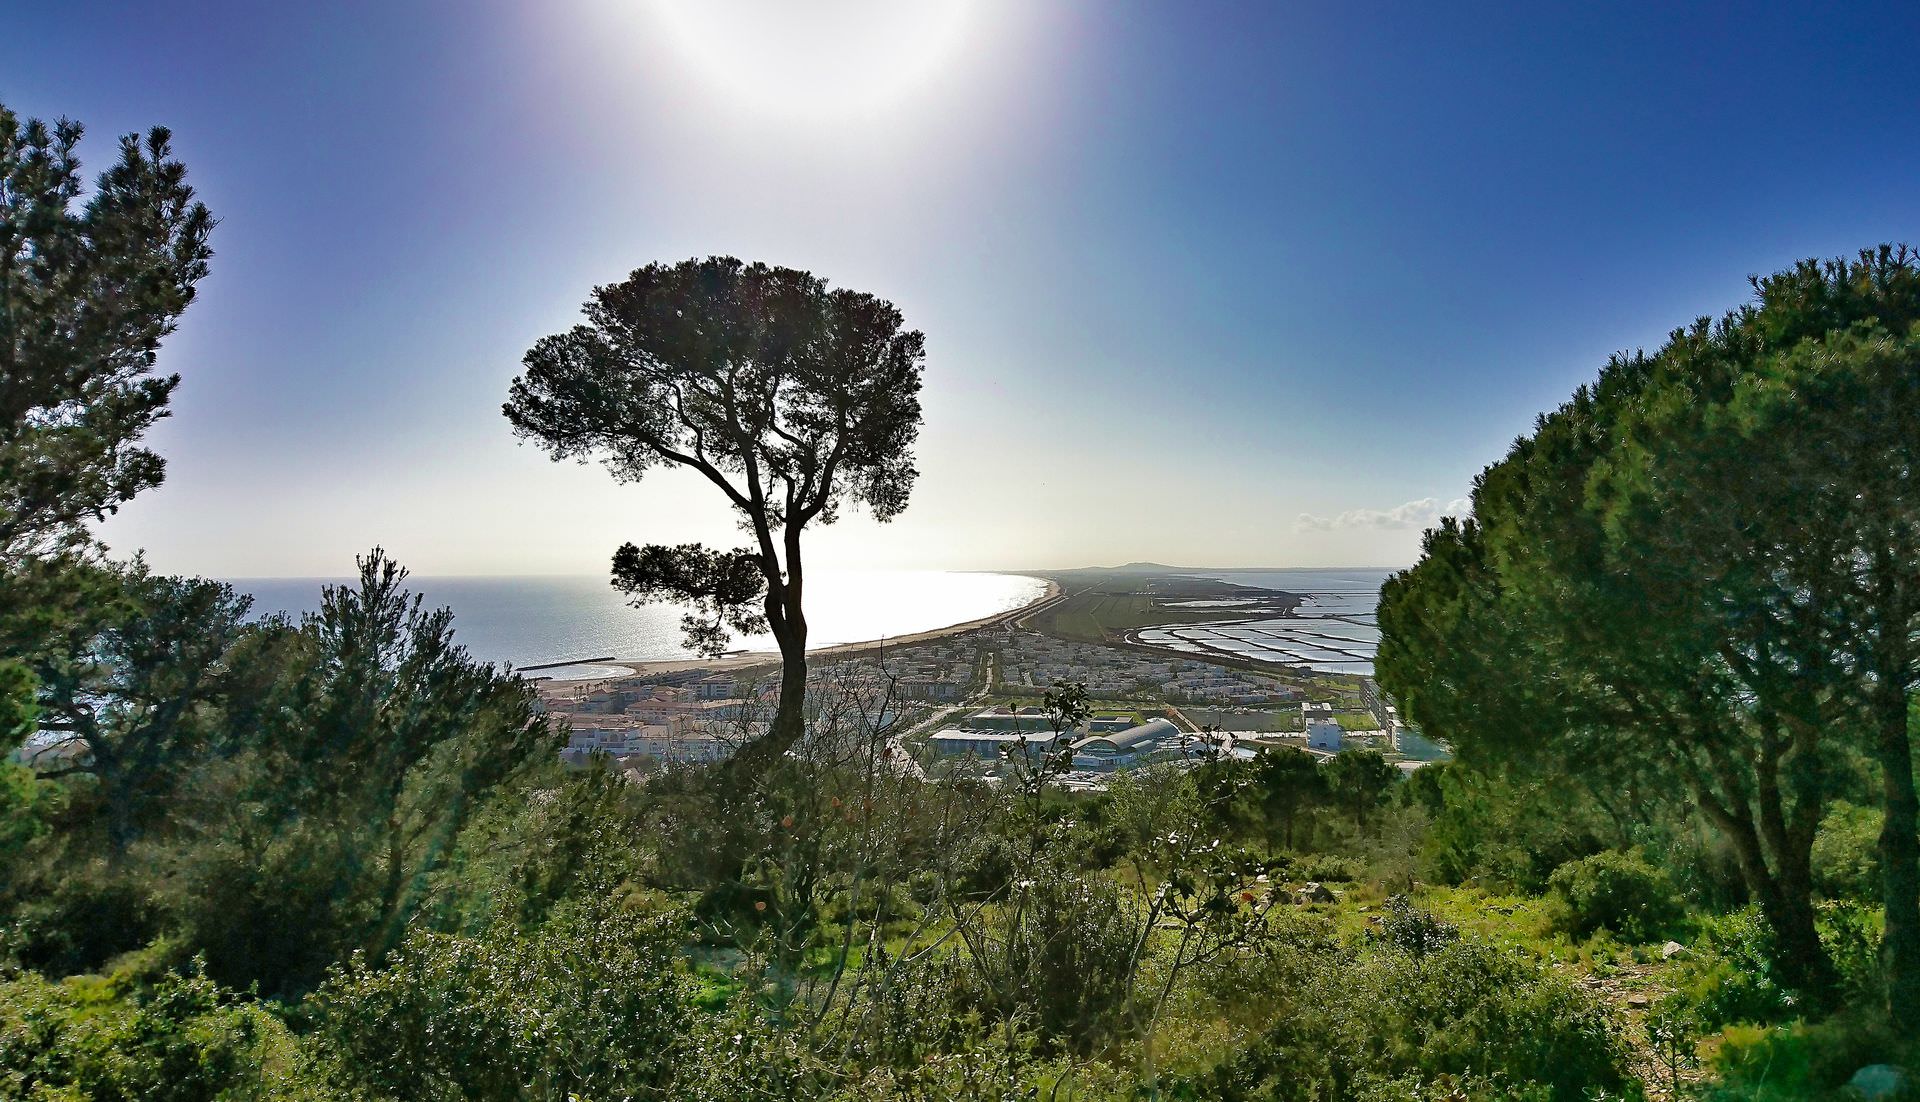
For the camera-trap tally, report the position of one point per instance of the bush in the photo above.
(1056, 956)
(1851, 933)
(1805, 1060)
(1325, 867)
(1615, 891)
(1728, 977)
(1413, 930)
(76, 916)
(1440, 1016)
(1846, 853)
(171, 1038)
(1454, 1019)
(589, 1004)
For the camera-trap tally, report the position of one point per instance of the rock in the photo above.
(1878, 1081)
(1638, 1001)
(1671, 950)
(1316, 893)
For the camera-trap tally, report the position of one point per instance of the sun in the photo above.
(818, 60)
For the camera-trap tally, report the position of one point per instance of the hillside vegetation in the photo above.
(337, 858)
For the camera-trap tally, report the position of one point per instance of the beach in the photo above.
(743, 660)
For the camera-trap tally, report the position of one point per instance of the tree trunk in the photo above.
(1899, 858)
(1785, 895)
(1790, 910)
(111, 777)
(788, 624)
(789, 717)
(1804, 964)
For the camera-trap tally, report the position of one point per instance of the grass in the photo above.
(1099, 616)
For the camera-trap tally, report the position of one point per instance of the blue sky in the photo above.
(1213, 284)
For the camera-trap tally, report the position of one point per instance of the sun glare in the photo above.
(830, 60)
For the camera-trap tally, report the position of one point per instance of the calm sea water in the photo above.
(534, 620)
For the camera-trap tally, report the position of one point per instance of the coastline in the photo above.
(751, 659)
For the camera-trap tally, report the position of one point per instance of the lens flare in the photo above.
(823, 60)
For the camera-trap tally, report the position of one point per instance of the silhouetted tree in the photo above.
(791, 398)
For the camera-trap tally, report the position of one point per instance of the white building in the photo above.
(1125, 749)
(1323, 734)
(956, 742)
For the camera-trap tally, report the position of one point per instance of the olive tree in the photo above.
(793, 399)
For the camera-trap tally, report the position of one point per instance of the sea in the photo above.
(541, 619)
(1336, 628)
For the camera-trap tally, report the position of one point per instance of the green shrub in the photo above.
(1462, 1018)
(1615, 891)
(1413, 930)
(1728, 977)
(1846, 852)
(1056, 955)
(1851, 932)
(80, 914)
(171, 1038)
(1325, 867)
(1805, 1060)
(590, 1004)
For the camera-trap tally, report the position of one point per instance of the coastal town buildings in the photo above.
(1325, 734)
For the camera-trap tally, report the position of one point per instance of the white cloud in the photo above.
(1424, 513)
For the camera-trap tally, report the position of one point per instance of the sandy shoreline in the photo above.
(750, 659)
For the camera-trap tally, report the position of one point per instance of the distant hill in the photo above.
(1163, 568)
(1126, 568)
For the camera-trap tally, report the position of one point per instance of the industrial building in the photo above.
(961, 742)
(1125, 749)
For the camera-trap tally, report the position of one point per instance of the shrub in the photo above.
(1728, 977)
(1325, 867)
(1846, 852)
(1413, 930)
(1805, 1060)
(1615, 891)
(589, 1004)
(76, 916)
(1851, 934)
(1461, 1019)
(171, 1038)
(1056, 955)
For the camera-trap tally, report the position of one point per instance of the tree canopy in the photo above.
(791, 398)
(87, 293)
(1698, 572)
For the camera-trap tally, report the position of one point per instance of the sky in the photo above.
(1209, 284)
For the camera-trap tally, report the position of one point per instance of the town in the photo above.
(972, 702)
